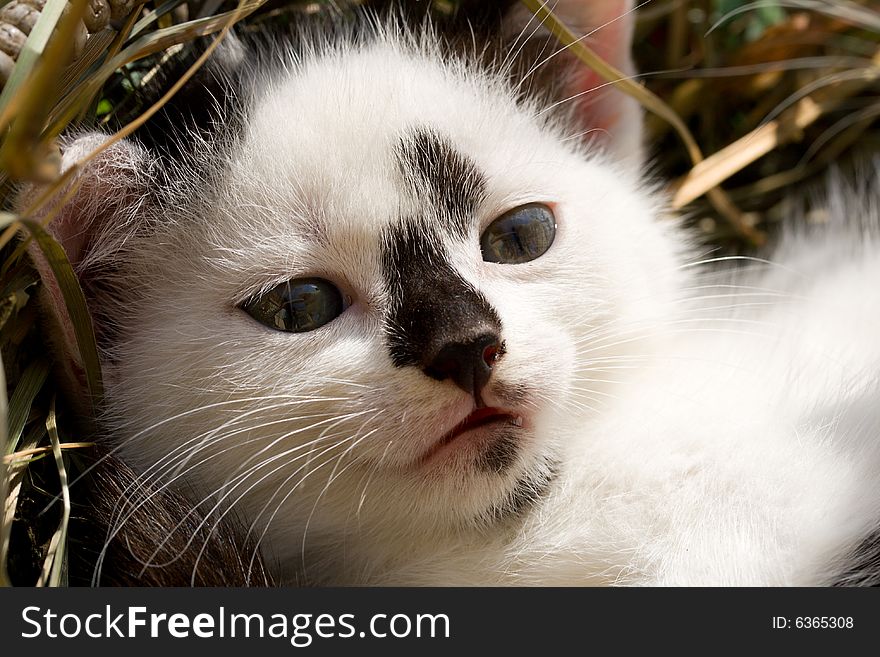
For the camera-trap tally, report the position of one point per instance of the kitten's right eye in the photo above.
(519, 235)
(300, 305)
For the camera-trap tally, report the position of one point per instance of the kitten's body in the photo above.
(745, 452)
(666, 423)
(739, 449)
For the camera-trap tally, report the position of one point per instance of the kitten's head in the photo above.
(379, 302)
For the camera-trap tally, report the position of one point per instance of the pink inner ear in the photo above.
(608, 26)
(73, 237)
(599, 111)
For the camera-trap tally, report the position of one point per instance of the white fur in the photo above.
(710, 427)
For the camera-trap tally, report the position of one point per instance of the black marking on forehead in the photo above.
(431, 305)
(444, 179)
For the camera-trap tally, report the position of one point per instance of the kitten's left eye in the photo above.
(520, 235)
(300, 305)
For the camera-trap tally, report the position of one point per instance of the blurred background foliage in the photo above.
(775, 92)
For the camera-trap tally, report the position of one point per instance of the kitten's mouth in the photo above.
(478, 418)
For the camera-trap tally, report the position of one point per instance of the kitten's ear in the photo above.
(609, 116)
(91, 218)
(100, 200)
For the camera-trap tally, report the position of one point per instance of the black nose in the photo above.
(469, 364)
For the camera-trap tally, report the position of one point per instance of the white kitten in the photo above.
(394, 315)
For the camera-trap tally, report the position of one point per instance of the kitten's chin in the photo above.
(488, 439)
(492, 464)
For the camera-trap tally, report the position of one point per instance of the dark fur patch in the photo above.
(224, 559)
(210, 106)
(472, 15)
(498, 456)
(864, 564)
(431, 305)
(447, 182)
(527, 492)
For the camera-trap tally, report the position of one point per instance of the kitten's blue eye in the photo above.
(520, 235)
(297, 306)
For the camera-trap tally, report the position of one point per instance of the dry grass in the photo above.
(754, 100)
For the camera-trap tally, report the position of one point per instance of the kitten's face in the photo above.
(379, 172)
